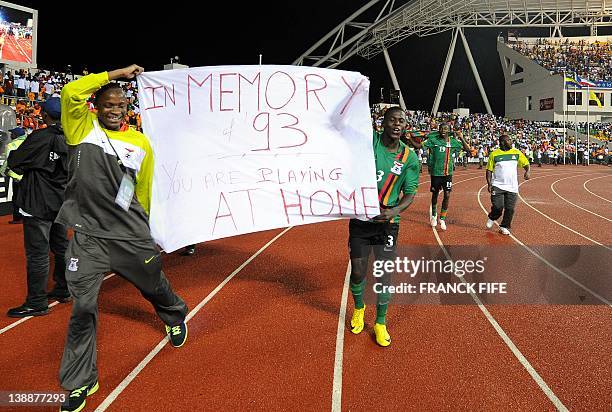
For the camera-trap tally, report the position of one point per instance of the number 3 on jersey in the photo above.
(379, 175)
(390, 241)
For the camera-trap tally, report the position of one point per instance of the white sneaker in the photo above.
(504, 231)
(433, 221)
(442, 224)
(490, 223)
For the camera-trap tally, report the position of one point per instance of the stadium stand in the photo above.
(39, 86)
(590, 60)
(530, 136)
(483, 128)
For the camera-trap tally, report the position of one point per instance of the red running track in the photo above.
(267, 339)
(17, 50)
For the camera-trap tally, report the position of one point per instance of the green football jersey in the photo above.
(395, 172)
(441, 154)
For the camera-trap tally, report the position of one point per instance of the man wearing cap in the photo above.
(42, 159)
(18, 135)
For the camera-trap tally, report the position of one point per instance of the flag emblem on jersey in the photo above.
(392, 178)
(397, 167)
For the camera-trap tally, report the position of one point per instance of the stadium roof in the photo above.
(395, 22)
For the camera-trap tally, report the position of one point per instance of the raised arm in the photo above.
(76, 117)
(409, 140)
(466, 145)
(128, 72)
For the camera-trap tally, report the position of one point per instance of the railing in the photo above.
(11, 100)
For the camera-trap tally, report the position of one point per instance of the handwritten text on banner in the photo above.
(241, 149)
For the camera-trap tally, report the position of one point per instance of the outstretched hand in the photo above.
(132, 71)
(128, 72)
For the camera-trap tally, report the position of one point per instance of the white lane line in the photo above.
(517, 353)
(555, 221)
(28, 59)
(483, 176)
(337, 382)
(20, 321)
(553, 267)
(12, 325)
(134, 373)
(552, 187)
(595, 194)
(337, 385)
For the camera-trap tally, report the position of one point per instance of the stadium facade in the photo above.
(532, 92)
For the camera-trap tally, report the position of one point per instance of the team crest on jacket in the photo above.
(397, 167)
(73, 265)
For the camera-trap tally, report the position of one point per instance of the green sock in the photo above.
(357, 292)
(381, 307)
(443, 214)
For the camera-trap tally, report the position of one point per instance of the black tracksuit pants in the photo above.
(39, 236)
(502, 202)
(88, 259)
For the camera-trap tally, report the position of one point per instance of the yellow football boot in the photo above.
(357, 320)
(382, 336)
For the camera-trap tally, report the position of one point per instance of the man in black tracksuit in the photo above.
(42, 160)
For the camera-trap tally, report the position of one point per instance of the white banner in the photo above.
(241, 149)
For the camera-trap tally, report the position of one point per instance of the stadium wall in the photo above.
(526, 82)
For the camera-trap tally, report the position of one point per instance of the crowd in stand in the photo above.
(23, 91)
(15, 30)
(592, 61)
(602, 131)
(540, 141)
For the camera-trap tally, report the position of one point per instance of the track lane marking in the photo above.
(555, 221)
(595, 194)
(140, 367)
(513, 348)
(509, 343)
(339, 354)
(552, 187)
(20, 321)
(337, 383)
(556, 269)
(28, 59)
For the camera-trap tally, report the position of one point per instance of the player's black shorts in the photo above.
(441, 183)
(364, 236)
